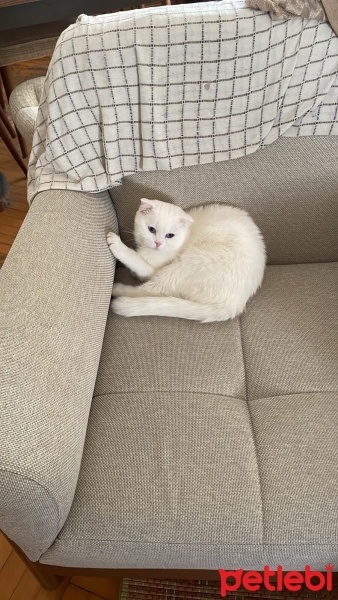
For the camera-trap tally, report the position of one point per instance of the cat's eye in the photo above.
(152, 229)
(170, 235)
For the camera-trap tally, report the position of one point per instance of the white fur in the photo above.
(206, 272)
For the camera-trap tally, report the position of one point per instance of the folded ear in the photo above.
(146, 205)
(186, 219)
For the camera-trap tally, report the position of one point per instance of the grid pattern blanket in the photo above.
(166, 87)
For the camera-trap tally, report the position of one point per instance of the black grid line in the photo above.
(167, 90)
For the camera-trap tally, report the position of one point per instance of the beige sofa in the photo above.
(154, 443)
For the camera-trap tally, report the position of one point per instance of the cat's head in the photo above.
(161, 226)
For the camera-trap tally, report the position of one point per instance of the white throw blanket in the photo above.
(166, 87)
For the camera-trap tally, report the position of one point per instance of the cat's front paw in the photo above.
(114, 242)
(119, 306)
(119, 289)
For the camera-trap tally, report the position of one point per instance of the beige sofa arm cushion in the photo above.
(24, 103)
(55, 289)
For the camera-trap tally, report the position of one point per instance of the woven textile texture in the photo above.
(211, 446)
(24, 102)
(201, 445)
(206, 453)
(174, 86)
(155, 589)
(54, 296)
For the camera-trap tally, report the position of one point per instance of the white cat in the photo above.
(203, 264)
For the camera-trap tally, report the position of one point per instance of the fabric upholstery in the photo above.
(149, 477)
(297, 450)
(332, 13)
(24, 102)
(206, 446)
(294, 322)
(55, 288)
(161, 354)
(289, 188)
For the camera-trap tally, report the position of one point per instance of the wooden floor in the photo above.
(16, 582)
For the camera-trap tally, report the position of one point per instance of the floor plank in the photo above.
(10, 575)
(46, 595)
(27, 587)
(18, 212)
(18, 583)
(7, 218)
(5, 248)
(105, 587)
(7, 238)
(53, 594)
(5, 550)
(74, 593)
(10, 229)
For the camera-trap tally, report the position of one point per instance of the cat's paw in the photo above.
(119, 306)
(119, 289)
(115, 244)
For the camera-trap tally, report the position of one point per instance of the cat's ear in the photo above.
(186, 219)
(146, 205)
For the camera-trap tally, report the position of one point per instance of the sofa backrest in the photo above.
(290, 188)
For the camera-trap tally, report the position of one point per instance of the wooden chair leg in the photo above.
(9, 87)
(2, 94)
(6, 122)
(6, 138)
(5, 74)
(22, 144)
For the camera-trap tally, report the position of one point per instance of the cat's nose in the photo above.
(158, 244)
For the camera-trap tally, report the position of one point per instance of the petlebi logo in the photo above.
(293, 581)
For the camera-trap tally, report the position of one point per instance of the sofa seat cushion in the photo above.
(214, 445)
(290, 332)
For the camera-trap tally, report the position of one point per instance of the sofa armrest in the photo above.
(55, 289)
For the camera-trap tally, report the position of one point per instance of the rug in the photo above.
(156, 589)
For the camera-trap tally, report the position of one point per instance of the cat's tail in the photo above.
(171, 307)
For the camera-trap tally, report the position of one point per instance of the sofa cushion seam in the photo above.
(193, 392)
(252, 429)
(217, 544)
